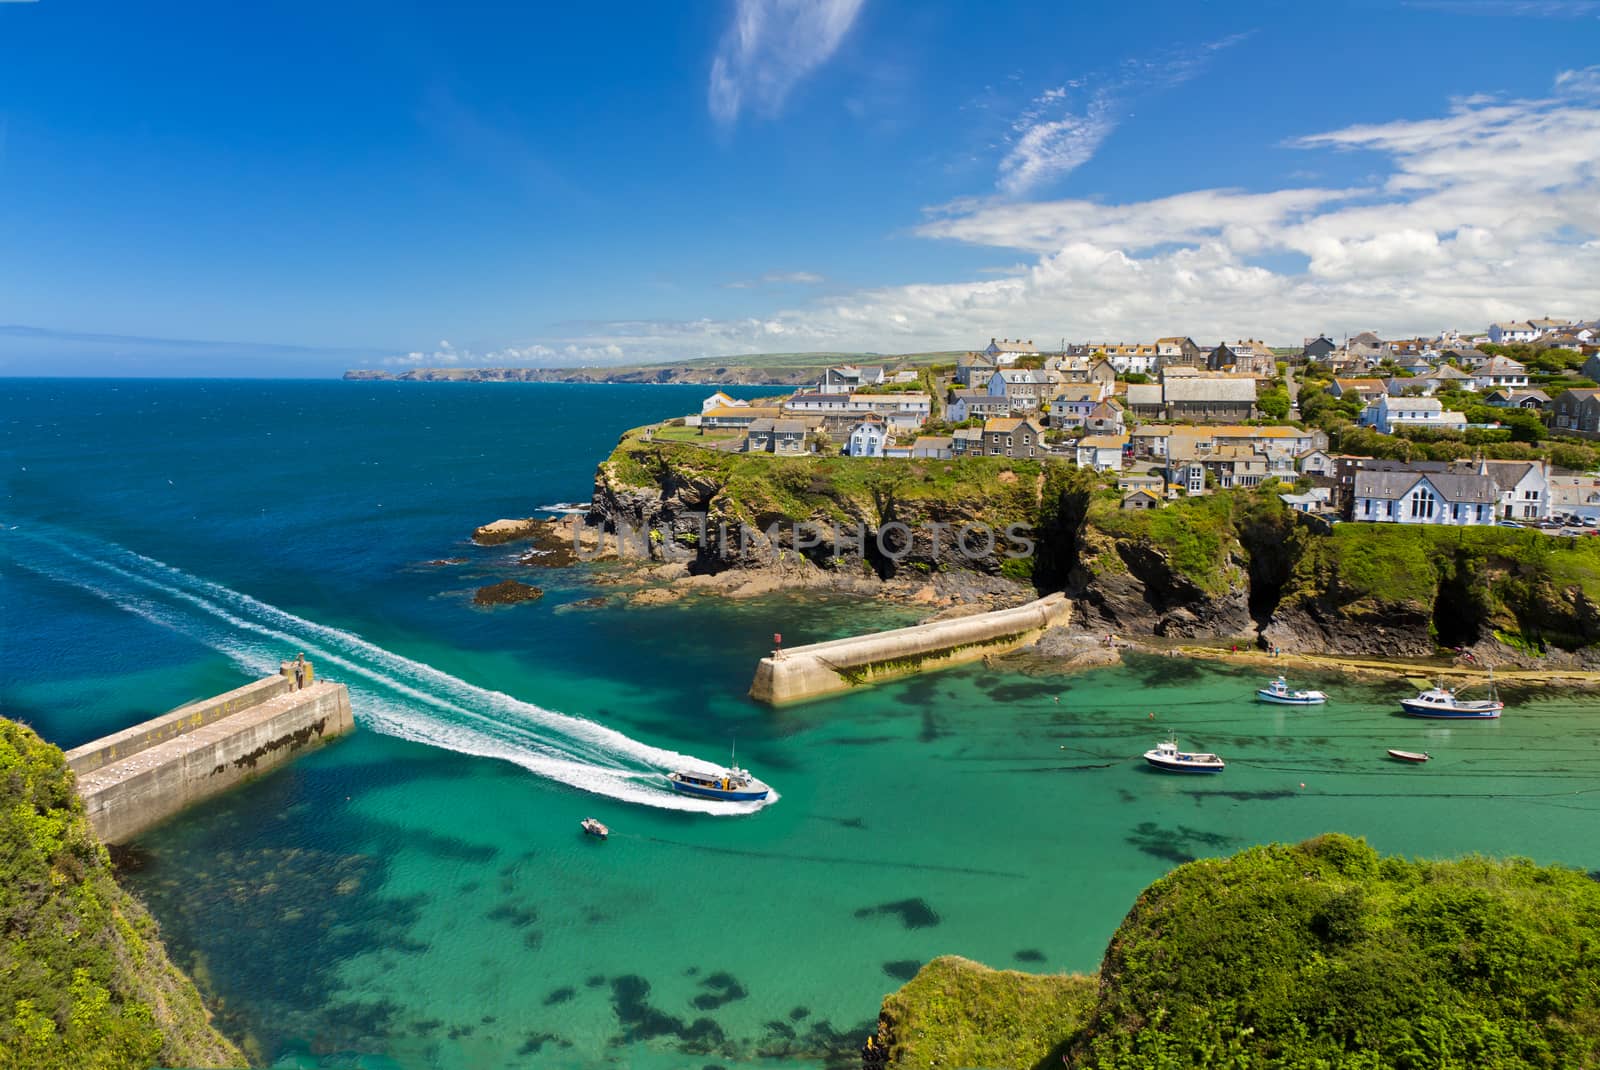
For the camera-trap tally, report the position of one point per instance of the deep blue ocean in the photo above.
(419, 895)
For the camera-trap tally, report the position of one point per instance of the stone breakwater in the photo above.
(136, 778)
(818, 669)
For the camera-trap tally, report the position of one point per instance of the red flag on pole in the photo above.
(777, 637)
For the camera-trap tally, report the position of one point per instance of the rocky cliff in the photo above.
(1231, 566)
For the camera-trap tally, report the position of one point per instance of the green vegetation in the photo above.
(759, 488)
(84, 981)
(956, 1012)
(1201, 537)
(1318, 956)
(1532, 588)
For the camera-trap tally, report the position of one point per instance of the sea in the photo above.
(419, 894)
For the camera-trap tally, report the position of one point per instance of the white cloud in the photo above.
(1046, 149)
(1488, 212)
(1537, 9)
(1063, 127)
(778, 278)
(769, 47)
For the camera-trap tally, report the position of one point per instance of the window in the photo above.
(1422, 501)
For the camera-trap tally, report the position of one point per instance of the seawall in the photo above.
(140, 776)
(806, 672)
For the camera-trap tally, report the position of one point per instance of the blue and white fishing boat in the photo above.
(1279, 692)
(1166, 755)
(1441, 703)
(729, 785)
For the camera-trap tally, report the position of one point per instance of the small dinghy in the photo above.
(1418, 757)
(1279, 692)
(1166, 755)
(594, 828)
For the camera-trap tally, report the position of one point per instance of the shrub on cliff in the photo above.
(84, 981)
(1323, 954)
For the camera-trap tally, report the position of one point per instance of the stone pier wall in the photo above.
(136, 778)
(806, 672)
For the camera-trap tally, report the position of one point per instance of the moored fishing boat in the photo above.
(1279, 692)
(1415, 756)
(1166, 755)
(1442, 703)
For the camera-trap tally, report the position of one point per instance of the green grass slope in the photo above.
(84, 981)
(956, 1012)
(1316, 956)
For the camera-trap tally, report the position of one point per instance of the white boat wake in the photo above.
(390, 693)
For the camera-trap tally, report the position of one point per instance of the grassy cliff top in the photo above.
(956, 1012)
(84, 980)
(755, 485)
(1316, 955)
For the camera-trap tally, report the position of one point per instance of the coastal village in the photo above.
(1462, 428)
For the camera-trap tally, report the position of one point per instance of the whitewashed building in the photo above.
(867, 439)
(1387, 414)
(1452, 498)
(1498, 372)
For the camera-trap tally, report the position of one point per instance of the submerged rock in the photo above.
(505, 593)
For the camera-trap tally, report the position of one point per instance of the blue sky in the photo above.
(296, 189)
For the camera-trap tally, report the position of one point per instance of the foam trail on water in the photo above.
(394, 694)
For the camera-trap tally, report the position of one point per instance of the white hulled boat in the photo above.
(1166, 755)
(1279, 692)
(1442, 703)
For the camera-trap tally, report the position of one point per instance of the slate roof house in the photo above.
(1205, 399)
(1577, 411)
(965, 404)
(1013, 437)
(1317, 348)
(1425, 498)
(1180, 351)
(784, 437)
(974, 369)
(848, 378)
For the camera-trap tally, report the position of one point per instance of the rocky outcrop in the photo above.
(497, 532)
(506, 593)
(1124, 585)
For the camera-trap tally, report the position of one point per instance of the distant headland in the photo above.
(758, 369)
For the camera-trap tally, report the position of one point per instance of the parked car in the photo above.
(1509, 524)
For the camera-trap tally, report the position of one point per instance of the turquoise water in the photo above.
(418, 895)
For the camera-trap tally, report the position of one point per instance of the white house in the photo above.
(1103, 453)
(1424, 498)
(1524, 486)
(1390, 413)
(719, 400)
(1315, 463)
(1006, 351)
(1497, 372)
(1505, 333)
(867, 439)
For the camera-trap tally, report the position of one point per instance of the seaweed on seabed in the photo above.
(913, 913)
